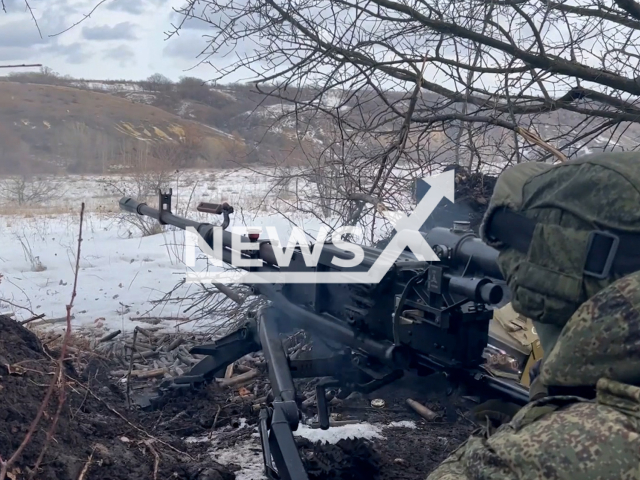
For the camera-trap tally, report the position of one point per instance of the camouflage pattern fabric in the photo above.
(568, 200)
(565, 437)
(557, 438)
(602, 339)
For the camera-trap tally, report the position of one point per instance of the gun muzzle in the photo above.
(481, 290)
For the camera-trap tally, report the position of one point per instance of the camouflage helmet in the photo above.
(542, 219)
(600, 340)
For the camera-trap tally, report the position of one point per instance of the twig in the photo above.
(49, 321)
(135, 336)
(147, 319)
(464, 417)
(533, 138)
(156, 462)
(114, 411)
(240, 379)
(85, 469)
(86, 352)
(4, 300)
(86, 394)
(79, 21)
(32, 319)
(61, 376)
(26, 2)
(215, 421)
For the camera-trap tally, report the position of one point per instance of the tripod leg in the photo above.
(285, 417)
(221, 353)
(284, 449)
(279, 374)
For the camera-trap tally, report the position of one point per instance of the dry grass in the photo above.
(50, 102)
(85, 131)
(33, 211)
(30, 211)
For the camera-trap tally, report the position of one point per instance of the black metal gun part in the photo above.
(424, 316)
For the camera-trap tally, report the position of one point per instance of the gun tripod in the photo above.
(279, 419)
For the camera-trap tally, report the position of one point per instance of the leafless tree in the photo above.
(146, 174)
(28, 190)
(409, 85)
(159, 83)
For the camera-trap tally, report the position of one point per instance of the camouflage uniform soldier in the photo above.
(582, 289)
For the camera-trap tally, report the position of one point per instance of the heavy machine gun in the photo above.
(424, 316)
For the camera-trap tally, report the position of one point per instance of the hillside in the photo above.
(80, 126)
(49, 127)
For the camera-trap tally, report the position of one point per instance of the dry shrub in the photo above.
(26, 190)
(147, 175)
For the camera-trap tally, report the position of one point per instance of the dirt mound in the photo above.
(197, 412)
(349, 459)
(94, 437)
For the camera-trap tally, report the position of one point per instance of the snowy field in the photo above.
(121, 271)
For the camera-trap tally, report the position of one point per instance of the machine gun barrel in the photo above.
(130, 205)
(205, 230)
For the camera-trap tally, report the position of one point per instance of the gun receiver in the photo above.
(424, 316)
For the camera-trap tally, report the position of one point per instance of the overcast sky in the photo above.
(123, 39)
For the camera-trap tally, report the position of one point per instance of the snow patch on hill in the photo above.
(141, 97)
(108, 87)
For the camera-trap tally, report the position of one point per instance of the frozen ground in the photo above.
(248, 454)
(121, 271)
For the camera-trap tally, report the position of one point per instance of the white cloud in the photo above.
(122, 39)
(120, 31)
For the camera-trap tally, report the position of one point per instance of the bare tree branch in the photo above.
(88, 15)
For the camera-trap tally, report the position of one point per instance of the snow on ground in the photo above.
(219, 132)
(335, 434)
(185, 109)
(225, 93)
(117, 278)
(404, 424)
(141, 97)
(121, 272)
(108, 87)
